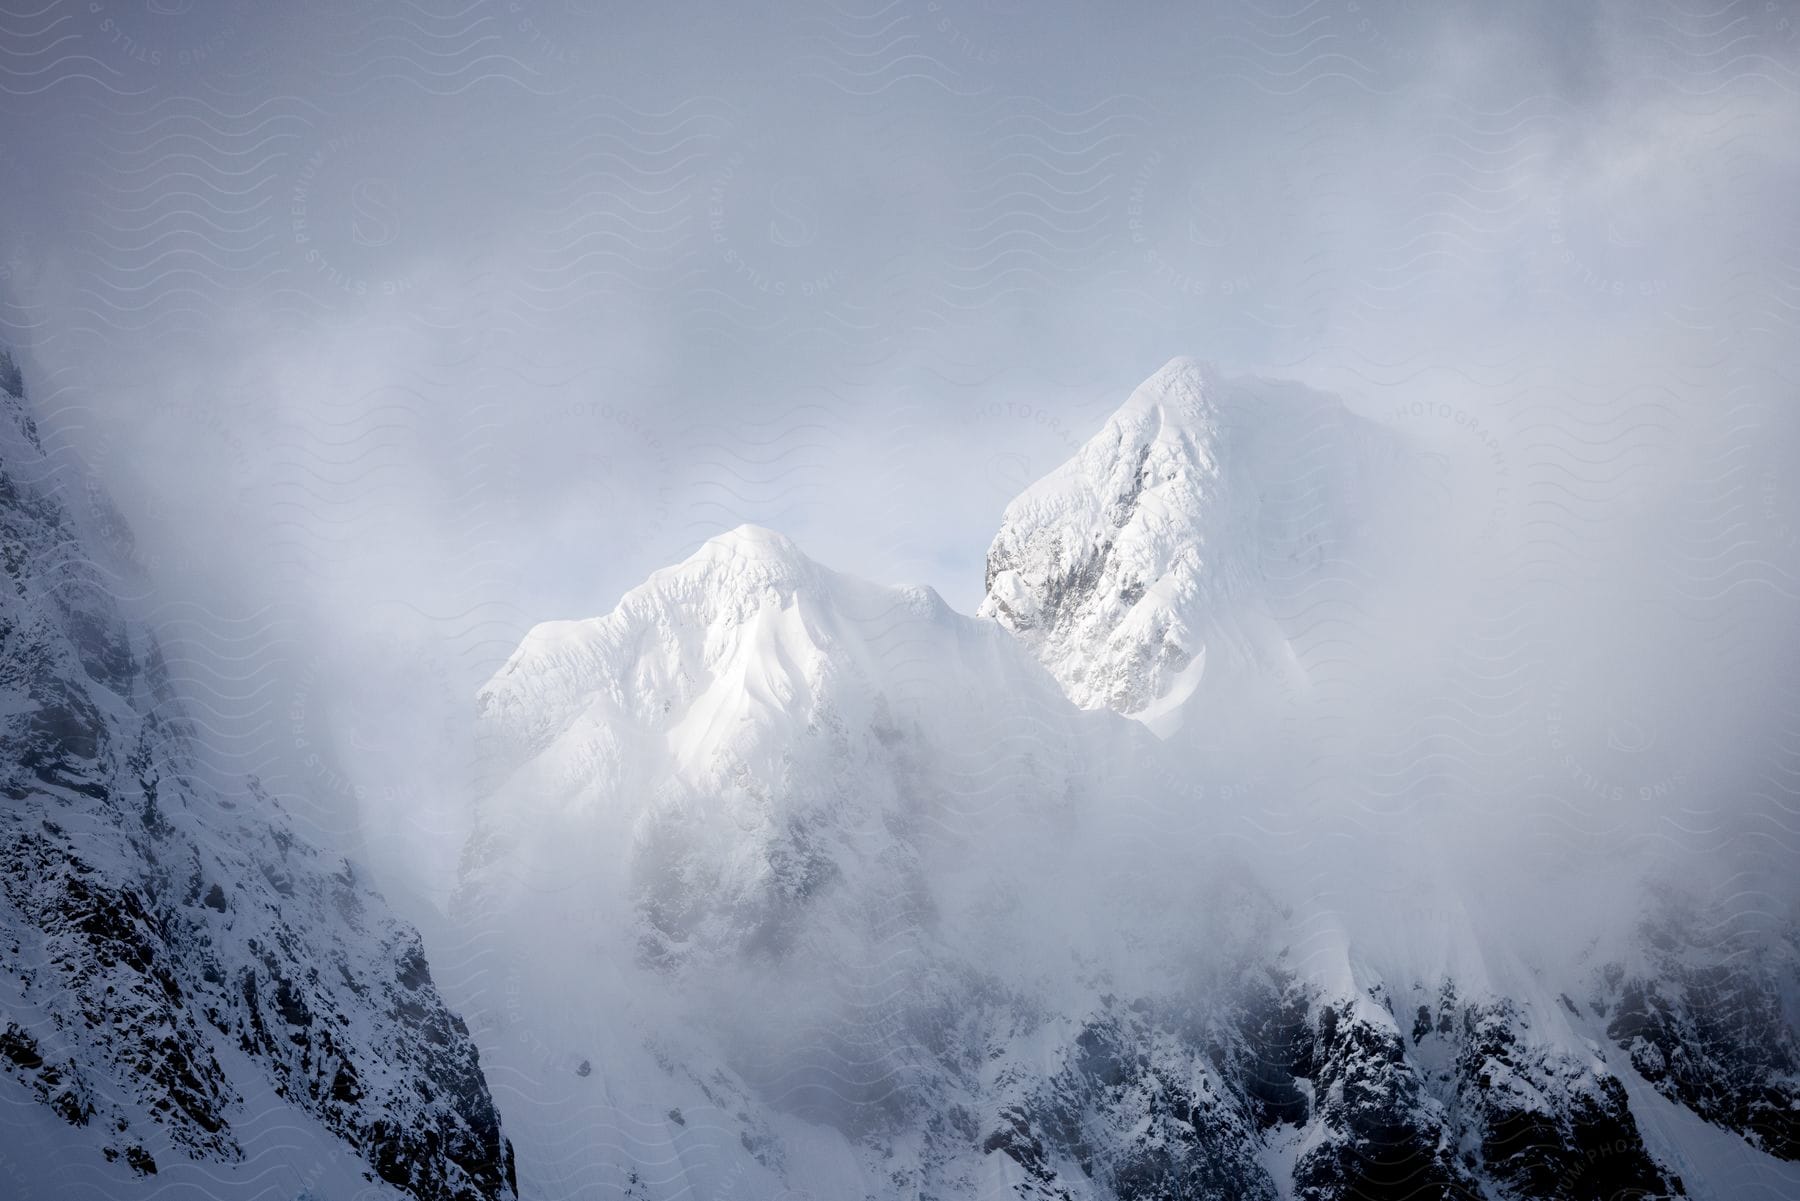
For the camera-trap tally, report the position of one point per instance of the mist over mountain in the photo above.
(924, 599)
(784, 880)
(908, 911)
(190, 989)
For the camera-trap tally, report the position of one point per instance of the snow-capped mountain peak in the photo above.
(1181, 396)
(746, 627)
(750, 555)
(1155, 558)
(740, 699)
(849, 873)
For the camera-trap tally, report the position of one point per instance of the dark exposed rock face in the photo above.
(149, 922)
(1143, 1109)
(1701, 1016)
(1386, 1135)
(1462, 1102)
(1153, 550)
(1583, 1145)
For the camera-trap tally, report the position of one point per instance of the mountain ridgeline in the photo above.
(787, 884)
(864, 897)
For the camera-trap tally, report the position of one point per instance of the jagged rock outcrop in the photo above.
(1706, 1013)
(1294, 1091)
(156, 927)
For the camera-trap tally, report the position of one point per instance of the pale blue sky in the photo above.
(398, 328)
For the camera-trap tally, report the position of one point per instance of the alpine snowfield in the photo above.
(784, 883)
(791, 884)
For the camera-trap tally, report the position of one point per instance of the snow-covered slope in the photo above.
(748, 733)
(1153, 566)
(200, 996)
(812, 839)
(1706, 1004)
(791, 882)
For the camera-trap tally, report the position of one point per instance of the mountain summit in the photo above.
(804, 883)
(745, 634)
(788, 883)
(1155, 563)
(746, 725)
